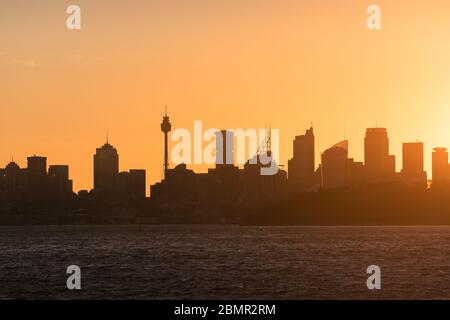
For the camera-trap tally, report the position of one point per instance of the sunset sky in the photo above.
(231, 64)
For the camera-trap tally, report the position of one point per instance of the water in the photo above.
(224, 262)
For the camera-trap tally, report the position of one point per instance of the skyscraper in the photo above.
(137, 183)
(14, 177)
(412, 171)
(36, 177)
(334, 166)
(380, 166)
(131, 185)
(224, 147)
(106, 169)
(37, 166)
(59, 177)
(440, 166)
(301, 166)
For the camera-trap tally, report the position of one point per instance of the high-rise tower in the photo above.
(441, 168)
(106, 170)
(166, 127)
(302, 165)
(380, 166)
(413, 171)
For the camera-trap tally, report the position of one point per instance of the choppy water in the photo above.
(224, 262)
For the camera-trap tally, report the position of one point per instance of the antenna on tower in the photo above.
(107, 136)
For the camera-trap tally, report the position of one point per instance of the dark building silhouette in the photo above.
(337, 170)
(14, 178)
(224, 189)
(355, 173)
(412, 172)
(33, 187)
(37, 182)
(334, 166)
(223, 180)
(13, 184)
(61, 185)
(106, 170)
(131, 186)
(224, 147)
(440, 167)
(178, 187)
(302, 165)
(37, 166)
(260, 190)
(137, 183)
(380, 166)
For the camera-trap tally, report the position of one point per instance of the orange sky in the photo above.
(236, 63)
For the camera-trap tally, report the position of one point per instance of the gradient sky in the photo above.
(231, 64)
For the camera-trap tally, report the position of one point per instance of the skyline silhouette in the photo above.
(377, 160)
(228, 193)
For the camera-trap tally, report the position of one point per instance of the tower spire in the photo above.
(165, 128)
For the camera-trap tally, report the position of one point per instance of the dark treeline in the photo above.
(369, 205)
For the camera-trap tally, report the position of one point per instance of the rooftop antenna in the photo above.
(107, 136)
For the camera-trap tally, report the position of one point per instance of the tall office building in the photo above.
(37, 166)
(106, 170)
(137, 183)
(36, 178)
(413, 168)
(131, 185)
(224, 147)
(59, 177)
(14, 178)
(380, 166)
(440, 166)
(334, 166)
(301, 166)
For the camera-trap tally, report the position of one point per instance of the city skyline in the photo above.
(227, 64)
(301, 173)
